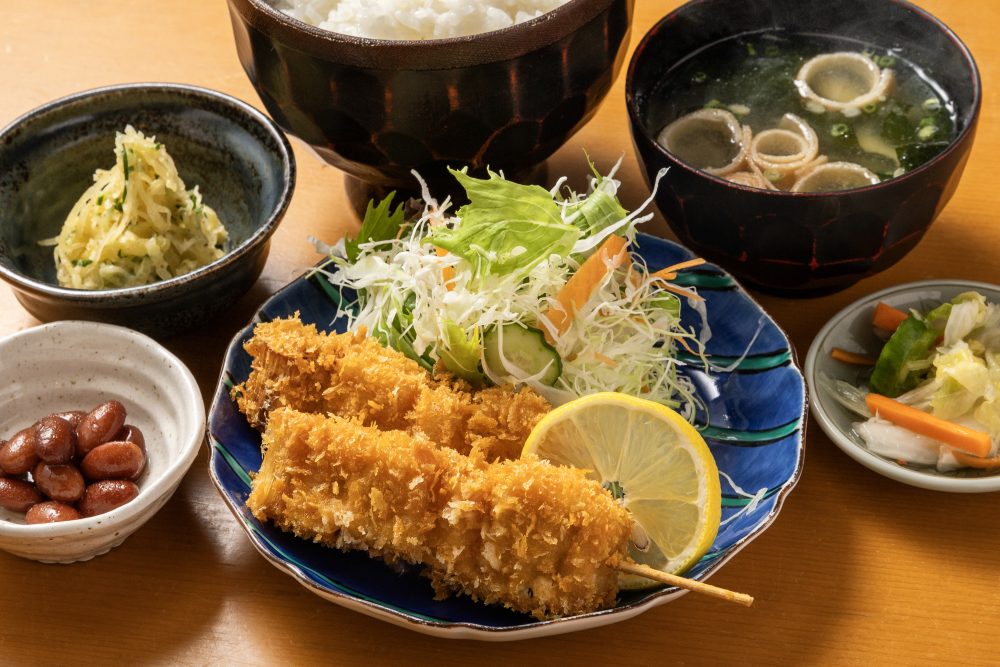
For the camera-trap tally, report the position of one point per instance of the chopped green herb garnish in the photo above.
(840, 130)
(699, 77)
(927, 132)
(714, 104)
(615, 489)
(82, 262)
(886, 61)
(871, 107)
(751, 50)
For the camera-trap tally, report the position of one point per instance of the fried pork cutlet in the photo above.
(537, 538)
(354, 376)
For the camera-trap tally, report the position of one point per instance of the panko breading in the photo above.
(354, 376)
(537, 538)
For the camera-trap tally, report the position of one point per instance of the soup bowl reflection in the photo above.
(801, 244)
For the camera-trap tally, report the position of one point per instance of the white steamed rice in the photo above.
(415, 19)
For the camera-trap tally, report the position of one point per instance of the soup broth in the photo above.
(753, 77)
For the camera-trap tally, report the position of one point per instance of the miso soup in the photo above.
(788, 128)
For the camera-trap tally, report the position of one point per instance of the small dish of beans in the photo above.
(72, 464)
(98, 426)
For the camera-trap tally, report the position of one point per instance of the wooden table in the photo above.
(857, 569)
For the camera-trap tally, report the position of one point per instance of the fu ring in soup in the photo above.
(768, 110)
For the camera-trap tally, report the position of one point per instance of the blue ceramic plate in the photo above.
(754, 424)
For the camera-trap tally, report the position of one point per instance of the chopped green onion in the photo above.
(840, 130)
(871, 107)
(931, 104)
(927, 132)
(82, 262)
(886, 61)
(699, 77)
(751, 50)
(714, 104)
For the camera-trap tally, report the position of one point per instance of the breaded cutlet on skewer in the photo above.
(354, 376)
(537, 538)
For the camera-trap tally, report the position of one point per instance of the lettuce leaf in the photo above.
(380, 224)
(596, 211)
(506, 227)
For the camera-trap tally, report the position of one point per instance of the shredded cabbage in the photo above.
(137, 224)
(439, 283)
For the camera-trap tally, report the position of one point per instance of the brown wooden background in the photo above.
(857, 569)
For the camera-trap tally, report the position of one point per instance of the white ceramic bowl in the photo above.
(75, 366)
(851, 330)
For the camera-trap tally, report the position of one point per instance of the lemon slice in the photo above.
(650, 458)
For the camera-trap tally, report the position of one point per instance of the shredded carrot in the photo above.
(577, 290)
(886, 317)
(852, 358)
(685, 345)
(670, 272)
(956, 436)
(448, 272)
(680, 290)
(976, 461)
(604, 359)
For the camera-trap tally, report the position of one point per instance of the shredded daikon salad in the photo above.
(137, 224)
(483, 291)
(943, 364)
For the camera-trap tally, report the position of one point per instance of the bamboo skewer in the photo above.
(687, 584)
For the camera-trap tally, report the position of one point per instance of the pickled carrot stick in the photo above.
(976, 461)
(958, 437)
(886, 317)
(852, 358)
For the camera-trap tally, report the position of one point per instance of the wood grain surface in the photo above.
(858, 569)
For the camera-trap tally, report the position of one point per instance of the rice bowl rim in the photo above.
(431, 54)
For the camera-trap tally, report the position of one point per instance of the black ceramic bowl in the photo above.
(240, 160)
(791, 243)
(378, 109)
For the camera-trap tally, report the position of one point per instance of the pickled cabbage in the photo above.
(137, 224)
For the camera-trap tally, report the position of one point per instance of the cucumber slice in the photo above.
(525, 348)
